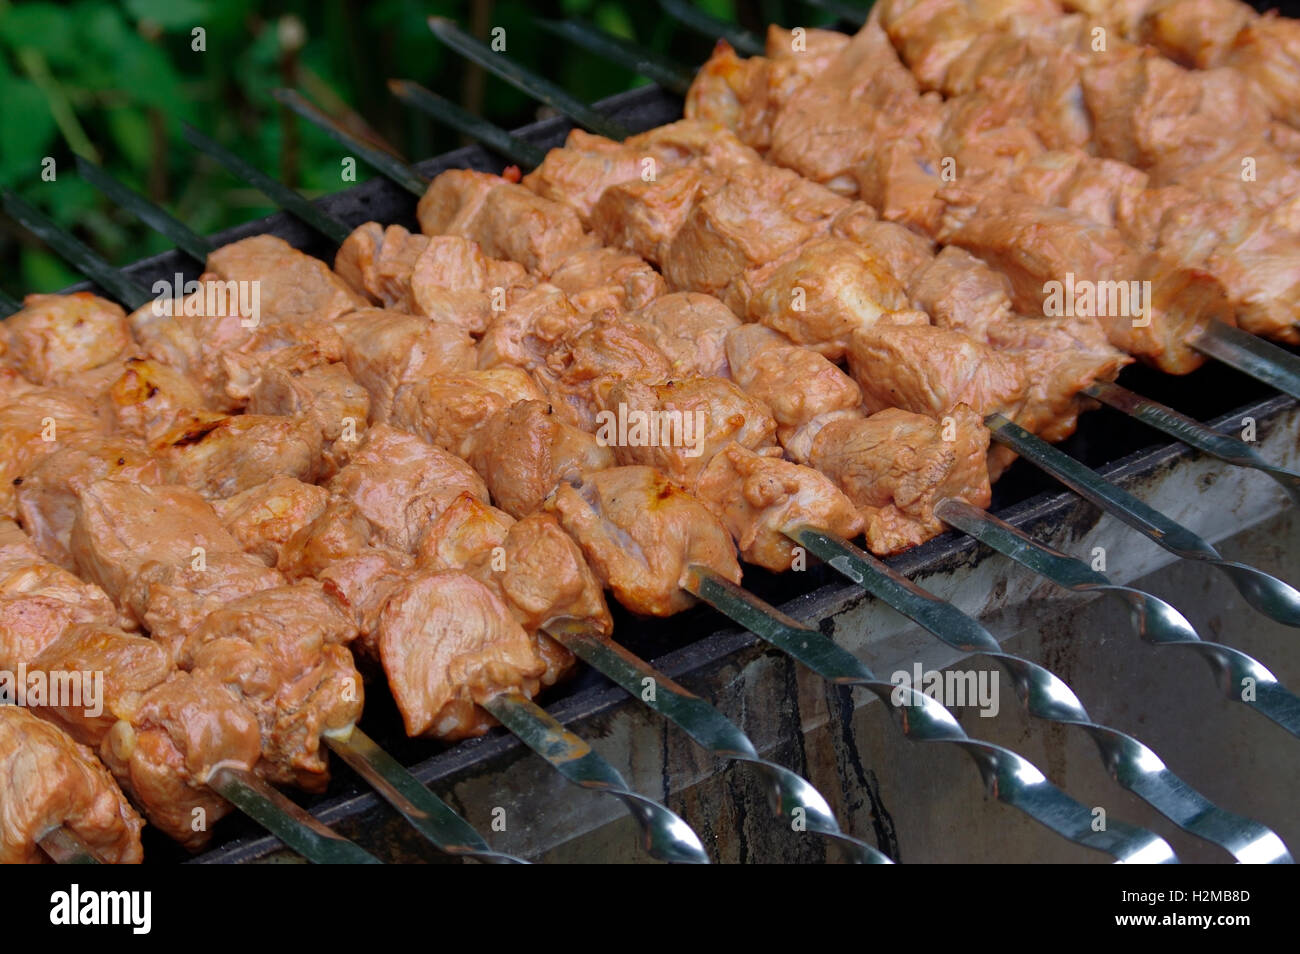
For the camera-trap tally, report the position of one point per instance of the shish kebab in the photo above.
(1179, 306)
(583, 631)
(172, 409)
(356, 260)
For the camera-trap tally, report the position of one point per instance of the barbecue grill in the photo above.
(908, 800)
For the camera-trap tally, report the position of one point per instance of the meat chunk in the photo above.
(691, 331)
(183, 730)
(677, 427)
(147, 398)
(386, 351)
(450, 410)
(641, 534)
(585, 167)
(51, 781)
(293, 288)
(645, 217)
(39, 600)
(506, 219)
(1266, 51)
(895, 465)
(283, 652)
(55, 337)
(47, 497)
(929, 370)
(124, 666)
(220, 456)
(1195, 33)
(464, 531)
(797, 384)
(600, 278)
(530, 329)
(327, 396)
(263, 518)
(960, 292)
(32, 424)
(455, 284)
(760, 496)
(525, 450)
(820, 294)
(448, 644)
(399, 483)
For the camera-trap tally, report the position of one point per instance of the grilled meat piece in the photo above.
(326, 395)
(448, 643)
(399, 482)
(894, 465)
(220, 456)
(449, 411)
(602, 278)
(293, 288)
(530, 329)
(641, 534)
(49, 780)
(466, 529)
(691, 330)
(524, 450)
(757, 496)
(263, 518)
(56, 337)
(47, 497)
(33, 422)
(39, 600)
(147, 398)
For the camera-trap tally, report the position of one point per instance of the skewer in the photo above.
(697, 718)
(1041, 800)
(1274, 598)
(550, 94)
(848, 12)
(1191, 432)
(8, 305)
(260, 801)
(1009, 777)
(1156, 621)
(711, 26)
(154, 216)
(444, 110)
(647, 63)
(63, 847)
(1046, 696)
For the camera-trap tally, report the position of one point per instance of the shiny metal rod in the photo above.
(1240, 677)
(666, 836)
(1191, 432)
(1274, 598)
(63, 847)
(1251, 355)
(1008, 777)
(288, 822)
(1046, 696)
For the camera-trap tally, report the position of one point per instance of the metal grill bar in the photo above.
(659, 69)
(703, 23)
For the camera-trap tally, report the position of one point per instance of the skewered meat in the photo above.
(220, 456)
(691, 330)
(466, 529)
(758, 496)
(641, 533)
(55, 337)
(386, 351)
(147, 398)
(530, 329)
(600, 278)
(448, 644)
(524, 450)
(326, 395)
(47, 496)
(293, 288)
(263, 518)
(894, 465)
(33, 422)
(39, 600)
(449, 410)
(399, 482)
(49, 780)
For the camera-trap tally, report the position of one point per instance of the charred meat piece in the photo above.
(147, 398)
(220, 456)
(641, 533)
(50, 781)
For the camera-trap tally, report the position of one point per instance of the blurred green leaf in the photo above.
(169, 14)
(26, 130)
(41, 26)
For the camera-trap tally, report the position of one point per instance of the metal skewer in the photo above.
(1240, 677)
(444, 110)
(1190, 432)
(791, 794)
(1008, 777)
(647, 63)
(1274, 598)
(1046, 696)
(63, 847)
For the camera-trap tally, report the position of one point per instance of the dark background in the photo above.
(110, 79)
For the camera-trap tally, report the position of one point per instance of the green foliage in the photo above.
(114, 79)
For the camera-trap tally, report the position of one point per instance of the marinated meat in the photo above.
(220, 456)
(263, 518)
(691, 330)
(54, 337)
